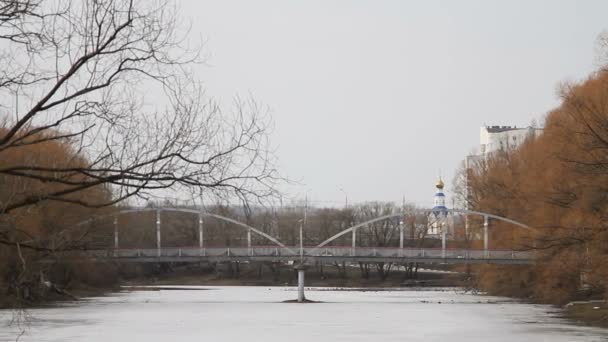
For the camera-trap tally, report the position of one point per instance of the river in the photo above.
(180, 314)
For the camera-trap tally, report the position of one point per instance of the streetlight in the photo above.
(306, 205)
(345, 198)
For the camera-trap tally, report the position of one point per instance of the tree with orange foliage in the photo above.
(556, 183)
(31, 233)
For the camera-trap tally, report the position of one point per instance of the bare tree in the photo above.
(99, 104)
(601, 50)
(380, 233)
(113, 80)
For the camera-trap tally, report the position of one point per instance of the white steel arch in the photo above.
(196, 212)
(423, 211)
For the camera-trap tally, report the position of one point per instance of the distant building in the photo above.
(494, 139)
(504, 138)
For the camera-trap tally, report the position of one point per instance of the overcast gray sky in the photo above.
(375, 97)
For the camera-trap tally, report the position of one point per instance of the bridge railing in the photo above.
(391, 252)
(293, 252)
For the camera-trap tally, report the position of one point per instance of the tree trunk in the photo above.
(383, 272)
(341, 269)
(364, 268)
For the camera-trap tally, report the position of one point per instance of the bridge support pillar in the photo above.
(485, 236)
(301, 269)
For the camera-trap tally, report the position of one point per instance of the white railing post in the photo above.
(158, 233)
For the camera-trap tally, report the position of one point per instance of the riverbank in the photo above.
(593, 313)
(285, 276)
(49, 297)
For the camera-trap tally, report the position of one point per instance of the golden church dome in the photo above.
(439, 184)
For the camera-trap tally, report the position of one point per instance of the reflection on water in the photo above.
(258, 314)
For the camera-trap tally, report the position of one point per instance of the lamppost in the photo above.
(345, 198)
(305, 209)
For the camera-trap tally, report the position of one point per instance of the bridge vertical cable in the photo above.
(401, 238)
(444, 234)
(158, 246)
(301, 241)
(249, 250)
(116, 232)
(485, 236)
(200, 234)
(354, 245)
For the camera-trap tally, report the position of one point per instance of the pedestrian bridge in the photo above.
(307, 254)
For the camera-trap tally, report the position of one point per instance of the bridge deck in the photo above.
(328, 254)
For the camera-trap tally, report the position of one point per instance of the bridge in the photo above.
(324, 251)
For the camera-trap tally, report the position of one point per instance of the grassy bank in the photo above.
(594, 313)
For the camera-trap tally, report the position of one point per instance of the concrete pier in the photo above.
(301, 269)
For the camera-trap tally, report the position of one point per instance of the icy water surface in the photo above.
(258, 314)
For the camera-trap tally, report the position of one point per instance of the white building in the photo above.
(493, 139)
(504, 138)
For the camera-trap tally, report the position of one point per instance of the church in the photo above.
(439, 222)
